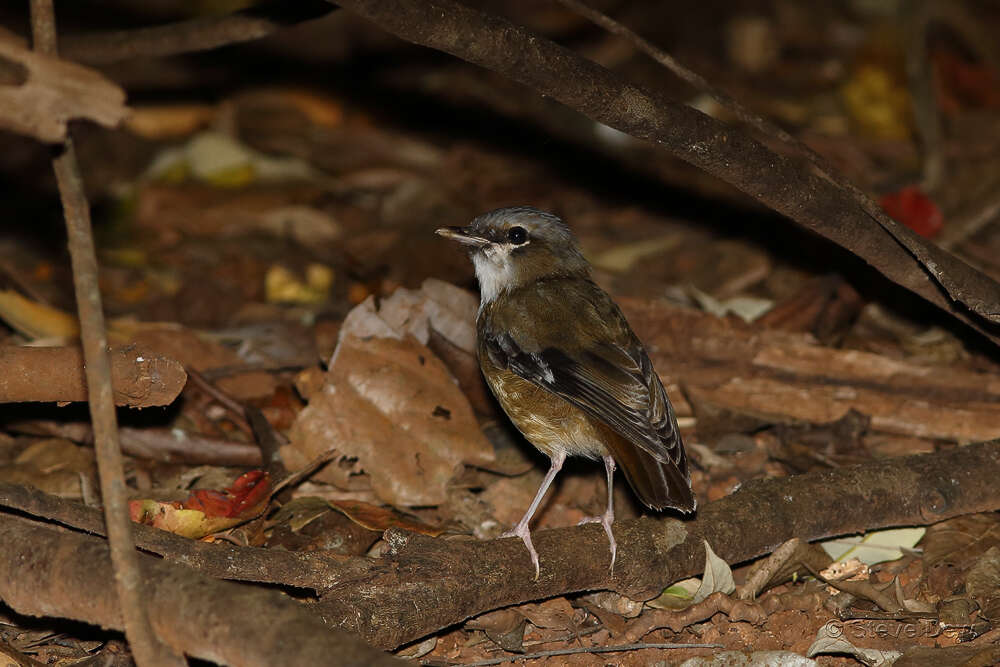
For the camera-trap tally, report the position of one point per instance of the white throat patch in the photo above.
(494, 271)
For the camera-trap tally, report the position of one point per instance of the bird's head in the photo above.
(515, 247)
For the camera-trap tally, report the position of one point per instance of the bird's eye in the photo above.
(517, 235)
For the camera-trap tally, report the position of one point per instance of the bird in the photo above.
(566, 367)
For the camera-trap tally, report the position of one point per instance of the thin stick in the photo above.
(584, 649)
(692, 78)
(199, 34)
(148, 650)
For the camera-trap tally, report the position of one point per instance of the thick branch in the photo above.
(317, 571)
(789, 186)
(53, 573)
(139, 377)
(424, 584)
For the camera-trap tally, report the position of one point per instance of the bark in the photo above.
(424, 584)
(139, 378)
(45, 572)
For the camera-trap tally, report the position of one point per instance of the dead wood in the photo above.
(154, 444)
(140, 378)
(198, 34)
(775, 376)
(46, 572)
(423, 584)
(317, 571)
(40, 93)
(789, 186)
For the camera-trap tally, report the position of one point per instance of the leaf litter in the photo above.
(774, 367)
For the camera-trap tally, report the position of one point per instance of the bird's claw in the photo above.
(521, 530)
(605, 520)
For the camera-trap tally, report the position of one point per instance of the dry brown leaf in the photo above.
(48, 92)
(392, 405)
(556, 614)
(53, 465)
(378, 518)
(959, 542)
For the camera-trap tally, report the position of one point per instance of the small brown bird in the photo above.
(565, 365)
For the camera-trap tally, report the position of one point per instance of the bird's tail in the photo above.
(659, 485)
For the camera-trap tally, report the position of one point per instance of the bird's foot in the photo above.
(521, 530)
(606, 520)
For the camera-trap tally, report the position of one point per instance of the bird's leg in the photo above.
(608, 517)
(521, 529)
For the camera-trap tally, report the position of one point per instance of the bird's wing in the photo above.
(611, 380)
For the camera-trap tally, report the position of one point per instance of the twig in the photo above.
(235, 407)
(961, 229)
(270, 444)
(198, 34)
(146, 646)
(171, 445)
(622, 648)
(692, 78)
(252, 420)
(916, 18)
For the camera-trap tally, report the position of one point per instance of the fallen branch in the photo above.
(170, 445)
(198, 34)
(317, 570)
(139, 377)
(781, 377)
(46, 572)
(788, 186)
(423, 584)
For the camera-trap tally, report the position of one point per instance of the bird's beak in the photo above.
(463, 236)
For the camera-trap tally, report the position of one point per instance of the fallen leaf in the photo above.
(911, 207)
(876, 547)
(392, 405)
(554, 614)
(622, 257)
(43, 93)
(830, 639)
(375, 517)
(718, 576)
(36, 320)
(53, 465)
(207, 511)
(220, 160)
(282, 286)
